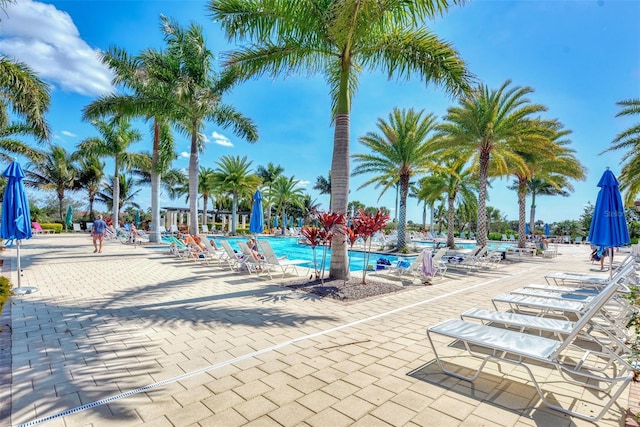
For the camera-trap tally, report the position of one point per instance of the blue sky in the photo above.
(580, 57)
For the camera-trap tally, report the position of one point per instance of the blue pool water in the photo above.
(290, 247)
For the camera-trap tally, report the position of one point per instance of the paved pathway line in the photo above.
(250, 355)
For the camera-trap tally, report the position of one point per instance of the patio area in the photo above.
(134, 336)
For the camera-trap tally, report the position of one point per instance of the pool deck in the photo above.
(135, 337)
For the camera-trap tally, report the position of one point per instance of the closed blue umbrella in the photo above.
(547, 230)
(275, 222)
(300, 222)
(137, 221)
(609, 224)
(256, 223)
(526, 228)
(16, 217)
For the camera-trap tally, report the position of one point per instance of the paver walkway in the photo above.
(135, 337)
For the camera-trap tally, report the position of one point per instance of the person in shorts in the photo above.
(97, 231)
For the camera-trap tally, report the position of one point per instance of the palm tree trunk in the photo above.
(532, 212)
(193, 181)
(522, 212)
(234, 212)
(116, 196)
(402, 220)
(451, 214)
(340, 171)
(91, 216)
(60, 199)
(155, 185)
(205, 200)
(481, 238)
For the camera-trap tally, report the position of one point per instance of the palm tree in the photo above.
(26, 96)
(126, 193)
(150, 97)
(268, 175)
(551, 176)
(89, 176)
(629, 139)
(491, 127)
(55, 172)
(196, 97)
(457, 181)
(116, 137)
(399, 151)
(339, 39)
(233, 176)
(284, 193)
(557, 167)
(323, 185)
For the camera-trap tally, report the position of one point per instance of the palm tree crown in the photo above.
(491, 128)
(398, 152)
(116, 137)
(233, 176)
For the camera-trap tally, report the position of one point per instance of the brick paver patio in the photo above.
(134, 336)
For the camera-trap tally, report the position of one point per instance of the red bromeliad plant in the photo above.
(365, 226)
(315, 237)
(331, 224)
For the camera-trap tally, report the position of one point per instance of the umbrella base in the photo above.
(25, 290)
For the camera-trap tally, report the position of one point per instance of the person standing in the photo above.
(97, 231)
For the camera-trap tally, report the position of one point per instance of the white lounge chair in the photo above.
(251, 262)
(282, 263)
(574, 363)
(76, 227)
(217, 254)
(402, 266)
(233, 259)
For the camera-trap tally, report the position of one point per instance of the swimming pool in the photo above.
(290, 247)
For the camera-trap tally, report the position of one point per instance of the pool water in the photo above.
(290, 247)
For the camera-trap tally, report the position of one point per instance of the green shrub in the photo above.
(495, 236)
(5, 291)
(57, 228)
(634, 240)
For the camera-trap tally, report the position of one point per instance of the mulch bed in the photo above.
(352, 290)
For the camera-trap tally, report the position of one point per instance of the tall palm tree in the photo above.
(457, 181)
(116, 137)
(126, 194)
(491, 127)
(339, 39)
(149, 96)
(89, 176)
(56, 172)
(268, 175)
(233, 176)
(399, 151)
(197, 97)
(629, 139)
(284, 193)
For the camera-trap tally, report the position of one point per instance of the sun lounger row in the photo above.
(579, 332)
(247, 260)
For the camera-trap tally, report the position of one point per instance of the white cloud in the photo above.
(47, 40)
(184, 155)
(303, 183)
(221, 140)
(69, 134)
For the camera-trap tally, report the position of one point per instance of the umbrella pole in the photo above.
(610, 263)
(26, 289)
